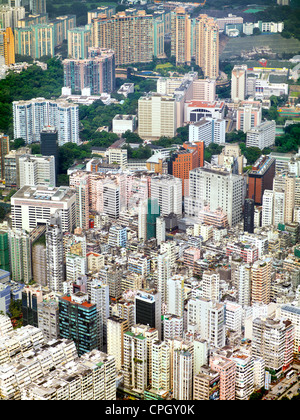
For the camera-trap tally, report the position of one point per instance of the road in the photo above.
(286, 387)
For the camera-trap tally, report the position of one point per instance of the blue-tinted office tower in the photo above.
(49, 144)
(78, 321)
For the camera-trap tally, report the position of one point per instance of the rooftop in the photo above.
(44, 193)
(205, 104)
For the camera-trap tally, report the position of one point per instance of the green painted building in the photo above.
(4, 251)
(153, 212)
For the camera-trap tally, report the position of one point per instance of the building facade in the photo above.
(96, 72)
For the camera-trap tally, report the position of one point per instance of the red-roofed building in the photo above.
(195, 110)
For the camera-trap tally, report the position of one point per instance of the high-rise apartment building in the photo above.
(241, 276)
(31, 297)
(227, 371)
(211, 285)
(262, 136)
(55, 254)
(160, 368)
(135, 37)
(167, 190)
(244, 380)
(207, 46)
(11, 165)
(35, 35)
(172, 327)
(208, 130)
(175, 296)
(80, 183)
(292, 313)
(101, 10)
(206, 384)
(75, 267)
(20, 255)
(232, 158)
(4, 251)
(135, 361)
(36, 170)
(10, 15)
(100, 297)
(62, 25)
(182, 374)
(151, 336)
(36, 41)
(117, 236)
(181, 163)
(31, 20)
(157, 116)
(201, 351)
(49, 144)
(152, 213)
(79, 42)
(248, 115)
(260, 178)
(273, 340)
(148, 309)
(112, 199)
(195, 37)
(239, 83)
(89, 377)
(48, 318)
(78, 321)
(267, 217)
(96, 72)
(7, 46)
(39, 264)
(261, 281)
(249, 215)
(233, 316)
(37, 6)
(204, 90)
(43, 40)
(207, 318)
(218, 189)
(197, 89)
(4, 150)
(31, 206)
(160, 230)
(279, 203)
(181, 34)
(116, 328)
(30, 118)
(162, 274)
(62, 352)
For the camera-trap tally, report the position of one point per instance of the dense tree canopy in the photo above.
(290, 141)
(31, 83)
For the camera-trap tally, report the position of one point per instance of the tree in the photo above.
(236, 136)
(17, 143)
(132, 137)
(258, 394)
(35, 148)
(2, 213)
(9, 195)
(15, 308)
(212, 149)
(30, 83)
(252, 154)
(143, 152)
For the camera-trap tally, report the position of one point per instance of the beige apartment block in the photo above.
(157, 116)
